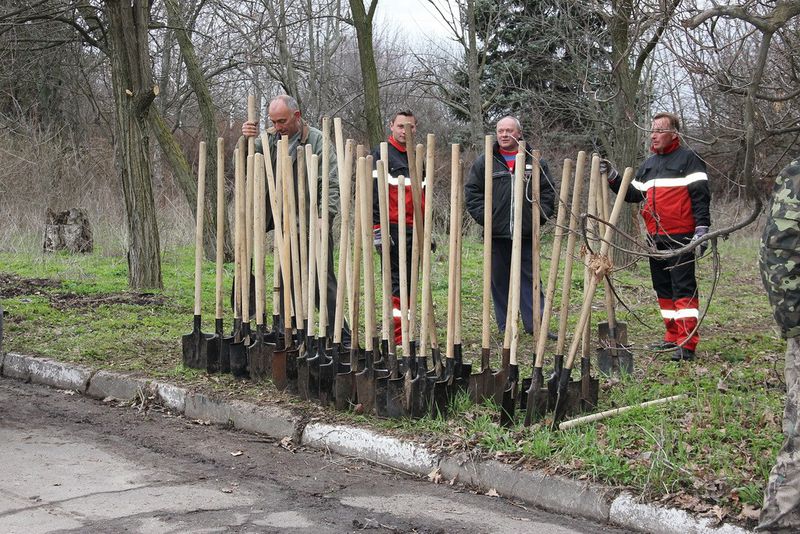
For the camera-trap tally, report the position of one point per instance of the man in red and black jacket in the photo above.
(398, 166)
(673, 185)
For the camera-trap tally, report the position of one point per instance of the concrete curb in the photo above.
(554, 493)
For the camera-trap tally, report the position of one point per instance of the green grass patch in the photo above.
(713, 449)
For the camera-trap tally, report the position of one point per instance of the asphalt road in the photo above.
(72, 464)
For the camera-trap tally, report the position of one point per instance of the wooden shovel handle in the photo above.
(536, 174)
(198, 233)
(575, 209)
(512, 317)
(488, 188)
(381, 169)
(402, 253)
(304, 224)
(260, 227)
(455, 167)
(290, 214)
(324, 224)
(427, 300)
(355, 268)
(313, 243)
(603, 212)
(238, 228)
(593, 279)
(592, 232)
(220, 257)
(555, 258)
(345, 162)
(366, 245)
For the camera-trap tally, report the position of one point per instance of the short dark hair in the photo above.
(674, 121)
(402, 113)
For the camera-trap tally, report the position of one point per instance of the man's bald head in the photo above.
(509, 132)
(284, 112)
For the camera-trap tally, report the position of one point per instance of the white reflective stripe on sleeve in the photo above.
(670, 182)
(668, 314)
(375, 174)
(688, 312)
(396, 312)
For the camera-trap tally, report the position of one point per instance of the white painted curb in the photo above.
(370, 446)
(626, 512)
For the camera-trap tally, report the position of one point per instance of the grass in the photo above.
(710, 453)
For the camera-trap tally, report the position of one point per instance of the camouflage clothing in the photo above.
(780, 250)
(780, 272)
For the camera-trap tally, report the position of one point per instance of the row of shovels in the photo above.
(300, 355)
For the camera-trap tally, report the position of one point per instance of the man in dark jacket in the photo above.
(673, 185)
(502, 160)
(398, 167)
(780, 272)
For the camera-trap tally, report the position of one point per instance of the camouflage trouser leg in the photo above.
(781, 510)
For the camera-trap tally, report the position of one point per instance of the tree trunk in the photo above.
(132, 81)
(196, 79)
(362, 22)
(474, 79)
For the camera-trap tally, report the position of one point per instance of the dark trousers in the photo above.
(501, 279)
(676, 287)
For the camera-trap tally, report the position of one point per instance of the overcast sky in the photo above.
(416, 17)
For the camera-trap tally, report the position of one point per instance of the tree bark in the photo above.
(474, 79)
(132, 81)
(362, 22)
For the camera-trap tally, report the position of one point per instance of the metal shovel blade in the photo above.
(509, 404)
(552, 382)
(481, 385)
(195, 347)
(258, 353)
(537, 398)
(562, 398)
(613, 355)
(238, 353)
(396, 397)
(224, 361)
(344, 390)
(590, 387)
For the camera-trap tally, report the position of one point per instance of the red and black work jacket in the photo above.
(675, 193)
(398, 166)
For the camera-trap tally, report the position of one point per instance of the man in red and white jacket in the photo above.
(398, 166)
(673, 185)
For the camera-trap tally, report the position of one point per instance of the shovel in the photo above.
(589, 386)
(238, 350)
(443, 387)
(280, 355)
(613, 354)
(563, 399)
(365, 380)
(259, 351)
(369, 289)
(346, 390)
(393, 401)
(558, 359)
(223, 341)
(481, 385)
(322, 337)
(404, 391)
(341, 390)
(537, 394)
(200, 350)
(509, 400)
(308, 385)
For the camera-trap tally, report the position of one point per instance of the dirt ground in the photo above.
(79, 465)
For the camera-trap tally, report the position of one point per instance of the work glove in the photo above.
(609, 170)
(699, 232)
